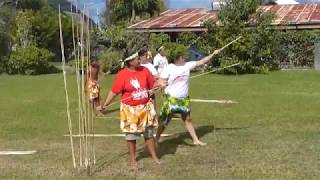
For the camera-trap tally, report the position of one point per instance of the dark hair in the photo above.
(145, 45)
(126, 63)
(142, 52)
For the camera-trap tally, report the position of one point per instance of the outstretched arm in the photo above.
(206, 59)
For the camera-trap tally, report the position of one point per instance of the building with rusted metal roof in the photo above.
(298, 16)
(179, 20)
(295, 16)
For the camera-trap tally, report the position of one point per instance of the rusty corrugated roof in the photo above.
(304, 15)
(179, 18)
(298, 14)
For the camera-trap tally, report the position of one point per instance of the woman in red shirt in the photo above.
(137, 113)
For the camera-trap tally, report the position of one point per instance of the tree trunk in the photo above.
(133, 12)
(108, 19)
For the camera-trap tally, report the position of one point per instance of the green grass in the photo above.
(271, 134)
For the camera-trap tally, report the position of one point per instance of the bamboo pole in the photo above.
(87, 122)
(75, 51)
(66, 90)
(81, 60)
(91, 109)
(77, 64)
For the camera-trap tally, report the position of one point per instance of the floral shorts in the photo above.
(173, 105)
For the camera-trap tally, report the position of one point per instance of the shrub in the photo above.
(109, 60)
(30, 60)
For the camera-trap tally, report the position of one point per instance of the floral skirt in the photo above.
(135, 119)
(93, 89)
(173, 105)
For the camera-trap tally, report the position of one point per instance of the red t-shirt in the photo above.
(133, 85)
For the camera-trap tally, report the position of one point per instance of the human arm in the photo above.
(111, 95)
(207, 59)
(117, 88)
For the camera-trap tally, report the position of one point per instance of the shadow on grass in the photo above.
(170, 145)
(102, 163)
(166, 146)
(113, 110)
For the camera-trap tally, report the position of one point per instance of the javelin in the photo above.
(219, 50)
(230, 43)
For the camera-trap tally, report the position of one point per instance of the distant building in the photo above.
(173, 21)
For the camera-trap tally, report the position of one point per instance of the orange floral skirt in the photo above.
(93, 89)
(135, 119)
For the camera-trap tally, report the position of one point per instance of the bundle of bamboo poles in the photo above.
(83, 151)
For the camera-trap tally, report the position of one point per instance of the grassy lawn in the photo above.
(272, 133)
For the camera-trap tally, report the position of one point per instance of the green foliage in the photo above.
(117, 34)
(41, 28)
(34, 23)
(110, 60)
(198, 41)
(119, 10)
(187, 38)
(4, 44)
(234, 14)
(45, 30)
(175, 50)
(7, 19)
(296, 47)
(123, 43)
(264, 43)
(157, 40)
(258, 47)
(24, 34)
(3, 64)
(30, 60)
(31, 4)
(123, 10)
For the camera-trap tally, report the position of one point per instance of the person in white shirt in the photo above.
(177, 99)
(143, 54)
(160, 61)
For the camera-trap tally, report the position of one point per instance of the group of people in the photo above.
(136, 83)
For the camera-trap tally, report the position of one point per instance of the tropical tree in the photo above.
(31, 4)
(123, 10)
(258, 47)
(7, 13)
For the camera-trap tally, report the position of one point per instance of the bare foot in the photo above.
(157, 161)
(98, 108)
(133, 166)
(199, 143)
(99, 114)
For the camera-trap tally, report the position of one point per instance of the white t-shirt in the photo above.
(178, 79)
(151, 68)
(160, 61)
